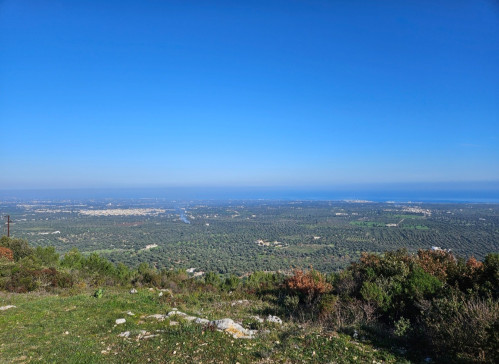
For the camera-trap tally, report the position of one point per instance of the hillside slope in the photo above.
(81, 328)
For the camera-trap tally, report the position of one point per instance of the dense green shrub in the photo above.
(372, 292)
(489, 279)
(327, 306)
(73, 259)
(6, 267)
(96, 264)
(231, 283)
(123, 273)
(213, 279)
(23, 279)
(147, 275)
(20, 247)
(47, 256)
(420, 284)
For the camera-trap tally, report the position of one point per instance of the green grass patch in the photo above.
(82, 329)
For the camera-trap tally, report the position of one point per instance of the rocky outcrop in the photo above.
(234, 329)
(274, 319)
(226, 324)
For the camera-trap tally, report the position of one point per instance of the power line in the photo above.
(8, 224)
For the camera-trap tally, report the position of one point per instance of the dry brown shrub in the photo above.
(309, 285)
(474, 265)
(6, 253)
(369, 260)
(353, 313)
(436, 262)
(465, 327)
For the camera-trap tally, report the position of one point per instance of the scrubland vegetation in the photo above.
(391, 307)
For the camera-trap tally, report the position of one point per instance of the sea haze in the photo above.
(480, 192)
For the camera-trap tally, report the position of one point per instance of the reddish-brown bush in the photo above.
(436, 262)
(6, 253)
(369, 260)
(309, 285)
(474, 265)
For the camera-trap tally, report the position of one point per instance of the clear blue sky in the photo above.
(247, 93)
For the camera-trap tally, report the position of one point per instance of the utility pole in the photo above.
(8, 225)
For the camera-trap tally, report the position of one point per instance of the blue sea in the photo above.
(479, 192)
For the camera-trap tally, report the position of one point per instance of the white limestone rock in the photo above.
(3, 308)
(274, 319)
(233, 328)
(227, 325)
(157, 316)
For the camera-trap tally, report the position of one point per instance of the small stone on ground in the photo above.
(3, 308)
